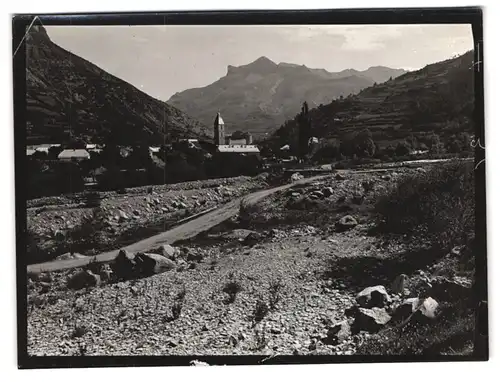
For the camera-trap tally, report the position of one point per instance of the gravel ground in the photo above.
(138, 208)
(135, 317)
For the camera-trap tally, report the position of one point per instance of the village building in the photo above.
(225, 144)
(74, 155)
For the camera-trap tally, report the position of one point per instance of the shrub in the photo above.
(177, 306)
(275, 288)
(232, 288)
(437, 206)
(261, 310)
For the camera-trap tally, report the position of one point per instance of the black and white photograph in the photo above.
(255, 191)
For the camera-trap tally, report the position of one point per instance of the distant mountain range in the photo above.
(436, 99)
(68, 96)
(260, 96)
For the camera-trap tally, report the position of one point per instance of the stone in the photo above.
(371, 320)
(151, 263)
(296, 176)
(399, 284)
(375, 296)
(193, 256)
(406, 308)
(386, 177)
(318, 194)
(83, 279)
(169, 252)
(428, 309)
(122, 215)
(339, 176)
(347, 222)
(337, 333)
(124, 265)
(327, 191)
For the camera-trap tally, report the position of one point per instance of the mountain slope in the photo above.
(68, 96)
(260, 96)
(438, 98)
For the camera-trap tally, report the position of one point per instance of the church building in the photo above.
(225, 144)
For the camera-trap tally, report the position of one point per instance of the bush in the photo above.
(260, 311)
(231, 288)
(437, 206)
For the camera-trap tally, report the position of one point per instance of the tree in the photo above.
(363, 145)
(436, 145)
(402, 149)
(304, 121)
(238, 135)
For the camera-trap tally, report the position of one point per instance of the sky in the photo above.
(163, 60)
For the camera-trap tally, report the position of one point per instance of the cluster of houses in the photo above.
(222, 144)
(64, 154)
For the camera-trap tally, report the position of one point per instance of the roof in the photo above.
(154, 149)
(286, 147)
(218, 119)
(30, 151)
(238, 149)
(91, 146)
(74, 153)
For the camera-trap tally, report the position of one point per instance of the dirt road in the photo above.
(181, 232)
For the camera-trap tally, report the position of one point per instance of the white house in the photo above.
(74, 154)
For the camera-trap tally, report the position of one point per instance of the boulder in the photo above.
(406, 308)
(347, 222)
(337, 333)
(317, 193)
(169, 252)
(193, 256)
(399, 284)
(122, 215)
(252, 238)
(83, 279)
(371, 320)
(151, 263)
(339, 176)
(327, 191)
(428, 309)
(296, 176)
(375, 296)
(124, 265)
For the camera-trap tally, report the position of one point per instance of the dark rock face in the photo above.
(64, 90)
(375, 296)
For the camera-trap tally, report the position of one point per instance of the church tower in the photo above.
(219, 136)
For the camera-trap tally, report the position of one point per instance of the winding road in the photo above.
(180, 232)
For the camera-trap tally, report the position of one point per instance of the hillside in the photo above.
(260, 96)
(438, 98)
(68, 96)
